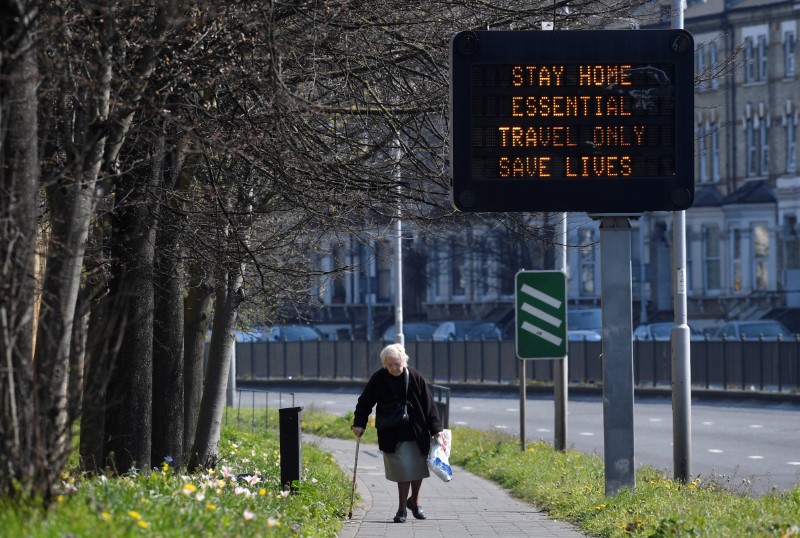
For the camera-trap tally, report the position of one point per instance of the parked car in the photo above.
(485, 330)
(662, 332)
(292, 333)
(453, 330)
(585, 325)
(768, 329)
(250, 334)
(412, 331)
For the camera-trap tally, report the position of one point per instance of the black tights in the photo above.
(402, 491)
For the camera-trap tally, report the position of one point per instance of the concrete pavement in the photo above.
(466, 506)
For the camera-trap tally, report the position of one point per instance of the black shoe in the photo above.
(400, 516)
(416, 510)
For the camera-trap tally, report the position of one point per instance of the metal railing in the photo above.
(723, 364)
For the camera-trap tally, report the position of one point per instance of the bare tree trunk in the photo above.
(168, 369)
(128, 417)
(19, 183)
(106, 327)
(209, 424)
(197, 317)
(71, 209)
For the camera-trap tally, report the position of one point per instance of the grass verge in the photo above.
(571, 487)
(242, 497)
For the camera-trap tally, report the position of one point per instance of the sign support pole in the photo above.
(616, 295)
(523, 398)
(681, 349)
(560, 375)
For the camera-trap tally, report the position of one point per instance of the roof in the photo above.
(707, 197)
(752, 192)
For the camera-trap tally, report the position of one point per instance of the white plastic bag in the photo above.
(439, 456)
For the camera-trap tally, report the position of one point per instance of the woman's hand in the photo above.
(357, 431)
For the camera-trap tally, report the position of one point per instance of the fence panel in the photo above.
(715, 364)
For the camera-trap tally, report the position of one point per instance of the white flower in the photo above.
(238, 490)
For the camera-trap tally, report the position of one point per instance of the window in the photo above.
(702, 154)
(749, 60)
(760, 255)
(434, 272)
(457, 277)
(712, 61)
(705, 60)
(751, 149)
(789, 40)
(756, 50)
(790, 121)
(715, 171)
(736, 259)
(763, 137)
(587, 261)
(762, 58)
(700, 67)
(483, 270)
(711, 258)
(383, 262)
(339, 292)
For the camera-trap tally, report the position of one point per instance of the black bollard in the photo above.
(291, 453)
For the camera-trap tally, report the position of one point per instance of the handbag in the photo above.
(395, 413)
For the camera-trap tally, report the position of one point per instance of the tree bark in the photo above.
(209, 424)
(168, 356)
(19, 183)
(197, 317)
(128, 416)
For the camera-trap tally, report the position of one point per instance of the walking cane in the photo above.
(353, 492)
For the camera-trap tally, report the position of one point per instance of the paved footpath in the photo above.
(466, 506)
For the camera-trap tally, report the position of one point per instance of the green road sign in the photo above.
(541, 314)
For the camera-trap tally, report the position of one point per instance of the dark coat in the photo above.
(422, 410)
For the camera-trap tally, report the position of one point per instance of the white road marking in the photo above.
(461, 423)
(586, 434)
(707, 423)
(756, 426)
(793, 462)
(715, 451)
(501, 427)
(468, 408)
(512, 409)
(543, 430)
(655, 419)
(755, 457)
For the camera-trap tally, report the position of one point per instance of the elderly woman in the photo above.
(405, 447)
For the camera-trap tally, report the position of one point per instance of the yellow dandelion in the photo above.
(143, 524)
(134, 514)
(210, 506)
(262, 492)
(188, 489)
(105, 516)
(60, 498)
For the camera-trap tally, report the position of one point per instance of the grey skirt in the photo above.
(406, 464)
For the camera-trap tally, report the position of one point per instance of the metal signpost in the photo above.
(541, 333)
(541, 314)
(594, 121)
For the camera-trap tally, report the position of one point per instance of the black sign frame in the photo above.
(472, 192)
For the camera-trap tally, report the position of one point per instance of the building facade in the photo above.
(742, 232)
